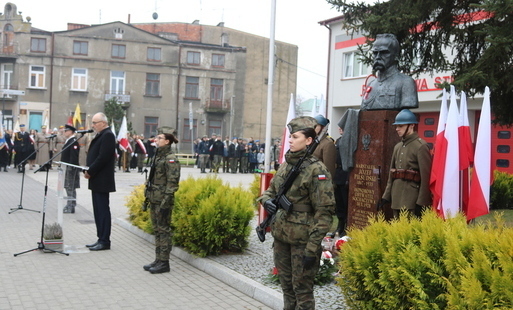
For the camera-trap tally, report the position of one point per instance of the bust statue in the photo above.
(391, 90)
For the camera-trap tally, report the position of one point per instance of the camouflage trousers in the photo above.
(296, 283)
(161, 220)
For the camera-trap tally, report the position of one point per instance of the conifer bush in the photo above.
(428, 263)
(136, 215)
(501, 192)
(210, 217)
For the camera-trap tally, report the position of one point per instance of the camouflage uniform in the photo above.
(163, 181)
(298, 234)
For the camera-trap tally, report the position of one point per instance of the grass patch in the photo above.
(507, 217)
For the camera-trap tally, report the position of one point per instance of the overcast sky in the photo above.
(296, 23)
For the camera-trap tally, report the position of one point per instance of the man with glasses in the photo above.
(101, 159)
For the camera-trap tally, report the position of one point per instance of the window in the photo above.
(187, 132)
(193, 58)
(192, 87)
(7, 73)
(79, 79)
(504, 134)
(152, 84)
(353, 67)
(429, 133)
(37, 77)
(80, 48)
(502, 163)
(150, 126)
(118, 51)
(154, 54)
(429, 121)
(214, 126)
(503, 148)
(38, 45)
(216, 90)
(218, 60)
(117, 82)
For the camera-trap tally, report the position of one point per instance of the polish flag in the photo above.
(466, 151)
(450, 199)
(479, 198)
(285, 140)
(440, 151)
(123, 136)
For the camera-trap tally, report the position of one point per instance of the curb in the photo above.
(243, 284)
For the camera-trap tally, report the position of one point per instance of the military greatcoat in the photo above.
(412, 153)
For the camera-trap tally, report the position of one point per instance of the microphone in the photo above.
(85, 131)
(51, 136)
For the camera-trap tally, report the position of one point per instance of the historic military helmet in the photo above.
(405, 117)
(302, 122)
(321, 120)
(166, 129)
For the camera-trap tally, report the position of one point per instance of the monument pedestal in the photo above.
(368, 178)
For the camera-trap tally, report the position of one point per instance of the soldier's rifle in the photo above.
(280, 200)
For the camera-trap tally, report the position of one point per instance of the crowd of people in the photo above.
(236, 155)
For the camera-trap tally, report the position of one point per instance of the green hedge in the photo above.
(209, 217)
(428, 264)
(501, 192)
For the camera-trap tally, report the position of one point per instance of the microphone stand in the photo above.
(22, 165)
(41, 244)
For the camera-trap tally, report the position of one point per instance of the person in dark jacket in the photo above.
(70, 155)
(100, 160)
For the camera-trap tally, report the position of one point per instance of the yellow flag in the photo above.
(77, 118)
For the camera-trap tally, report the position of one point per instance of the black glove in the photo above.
(270, 207)
(308, 262)
(381, 203)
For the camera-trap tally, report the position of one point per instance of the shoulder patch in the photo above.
(171, 161)
(321, 177)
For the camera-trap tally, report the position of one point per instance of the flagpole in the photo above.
(270, 79)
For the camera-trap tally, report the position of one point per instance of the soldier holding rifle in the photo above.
(302, 217)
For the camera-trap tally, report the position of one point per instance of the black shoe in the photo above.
(161, 267)
(92, 244)
(69, 209)
(148, 267)
(100, 247)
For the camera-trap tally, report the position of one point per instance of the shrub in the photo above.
(136, 215)
(428, 263)
(210, 217)
(501, 192)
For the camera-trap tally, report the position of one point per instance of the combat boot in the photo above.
(152, 264)
(161, 267)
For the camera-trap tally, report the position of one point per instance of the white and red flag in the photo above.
(466, 151)
(450, 200)
(285, 140)
(123, 137)
(440, 151)
(479, 197)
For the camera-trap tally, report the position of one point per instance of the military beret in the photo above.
(69, 127)
(22, 125)
(166, 129)
(300, 123)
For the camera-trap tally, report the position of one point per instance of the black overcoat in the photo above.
(101, 158)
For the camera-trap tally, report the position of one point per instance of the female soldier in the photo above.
(160, 191)
(298, 233)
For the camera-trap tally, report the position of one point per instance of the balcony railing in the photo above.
(10, 49)
(121, 97)
(219, 106)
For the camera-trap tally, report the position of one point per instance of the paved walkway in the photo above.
(109, 279)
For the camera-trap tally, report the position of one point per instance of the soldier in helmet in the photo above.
(160, 191)
(299, 232)
(326, 150)
(408, 180)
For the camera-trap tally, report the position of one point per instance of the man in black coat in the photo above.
(21, 146)
(70, 155)
(101, 158)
